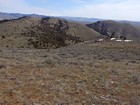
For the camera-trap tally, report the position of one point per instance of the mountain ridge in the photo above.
(34, 32)
(83, 20)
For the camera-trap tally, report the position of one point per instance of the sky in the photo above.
(103, 9)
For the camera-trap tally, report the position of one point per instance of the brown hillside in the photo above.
(42, 33)
(88, 73)
(119, 29)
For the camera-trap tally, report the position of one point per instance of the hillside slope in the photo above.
(73, 28)
(33, 32)
(82, 74)
(117, 29)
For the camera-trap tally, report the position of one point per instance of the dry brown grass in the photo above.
(82, 74)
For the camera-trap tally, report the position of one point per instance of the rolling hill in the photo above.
(109, 27)
(34, 70)
(34, 32)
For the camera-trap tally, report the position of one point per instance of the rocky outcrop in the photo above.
(116, 29)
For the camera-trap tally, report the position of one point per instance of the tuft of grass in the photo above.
(2, 66)
(136, 79)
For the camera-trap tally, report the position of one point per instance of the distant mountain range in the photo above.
(82, 20)
(75, 19)
(4, 16)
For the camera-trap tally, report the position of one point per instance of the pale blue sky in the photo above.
(105, 9)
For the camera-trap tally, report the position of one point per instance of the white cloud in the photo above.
(111, 9)
(81, 1)
(127, 10)
(20, 6)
